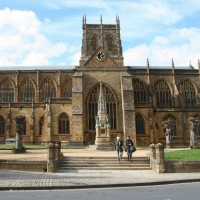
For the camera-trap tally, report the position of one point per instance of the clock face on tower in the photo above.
(100, 56)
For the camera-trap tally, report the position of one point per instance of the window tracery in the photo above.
(109, 42)
(94, 43)
(63, 123)
(48, 90)
(140, 91)
(27, 91)
(92, 107)
(163, 94)
(140, 129)
(188, 93)
(7, 91)
(67, 88)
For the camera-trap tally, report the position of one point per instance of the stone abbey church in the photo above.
(60, 103)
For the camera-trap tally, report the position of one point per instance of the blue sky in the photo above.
(49, 32)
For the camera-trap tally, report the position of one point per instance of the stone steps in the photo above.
(104, 163)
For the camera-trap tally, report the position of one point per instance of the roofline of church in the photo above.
(72, 67)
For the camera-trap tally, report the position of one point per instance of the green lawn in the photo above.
(191, 154)
(8, 146)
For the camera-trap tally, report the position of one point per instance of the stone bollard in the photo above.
(51, 164)
(160, 168)
(152, 154)
(57, 155)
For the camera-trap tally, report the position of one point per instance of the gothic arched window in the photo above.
(63, 122)
(188, 93)
(139, 121)
(6, 91)
(94, 43)
(92, 105)
(2, 126)
(109, 42)
(41, 125)
(163, 94)
(173, 124)
(67, 88)
(140, 91)
(26, 91)
(48, 90)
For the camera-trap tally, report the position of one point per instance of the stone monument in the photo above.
(19, 121)
(193, 132)
(102, 140)
(168, 132)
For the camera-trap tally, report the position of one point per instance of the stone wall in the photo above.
(35, 166)
(182, 166)
(159, 165)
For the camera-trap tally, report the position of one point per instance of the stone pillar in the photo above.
(49, 123)
(32, 128)
(51, 164)
(19, 121)
(160, 168)
(37, 94)
(193, 132)
(152, 154)
(77, 109)
(128, 108)
(57, 155)
(168, 131)
(8, 124)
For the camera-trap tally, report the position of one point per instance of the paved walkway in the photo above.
(15, 180)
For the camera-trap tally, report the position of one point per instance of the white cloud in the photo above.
(22, 42)
(181, 45)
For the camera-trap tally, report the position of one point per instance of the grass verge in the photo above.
(10, 147)
(190, 154)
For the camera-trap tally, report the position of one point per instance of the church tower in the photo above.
(102, 69)
(101, 41)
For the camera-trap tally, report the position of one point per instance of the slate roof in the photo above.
(62, 67)
(164, 67)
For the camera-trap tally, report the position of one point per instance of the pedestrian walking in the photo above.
(129, 147)
(119, 148)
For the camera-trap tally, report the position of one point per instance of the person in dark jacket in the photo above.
(119, 148)
(129, 144)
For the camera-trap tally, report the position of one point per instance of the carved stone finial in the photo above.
(172, 66)
(147, 62)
